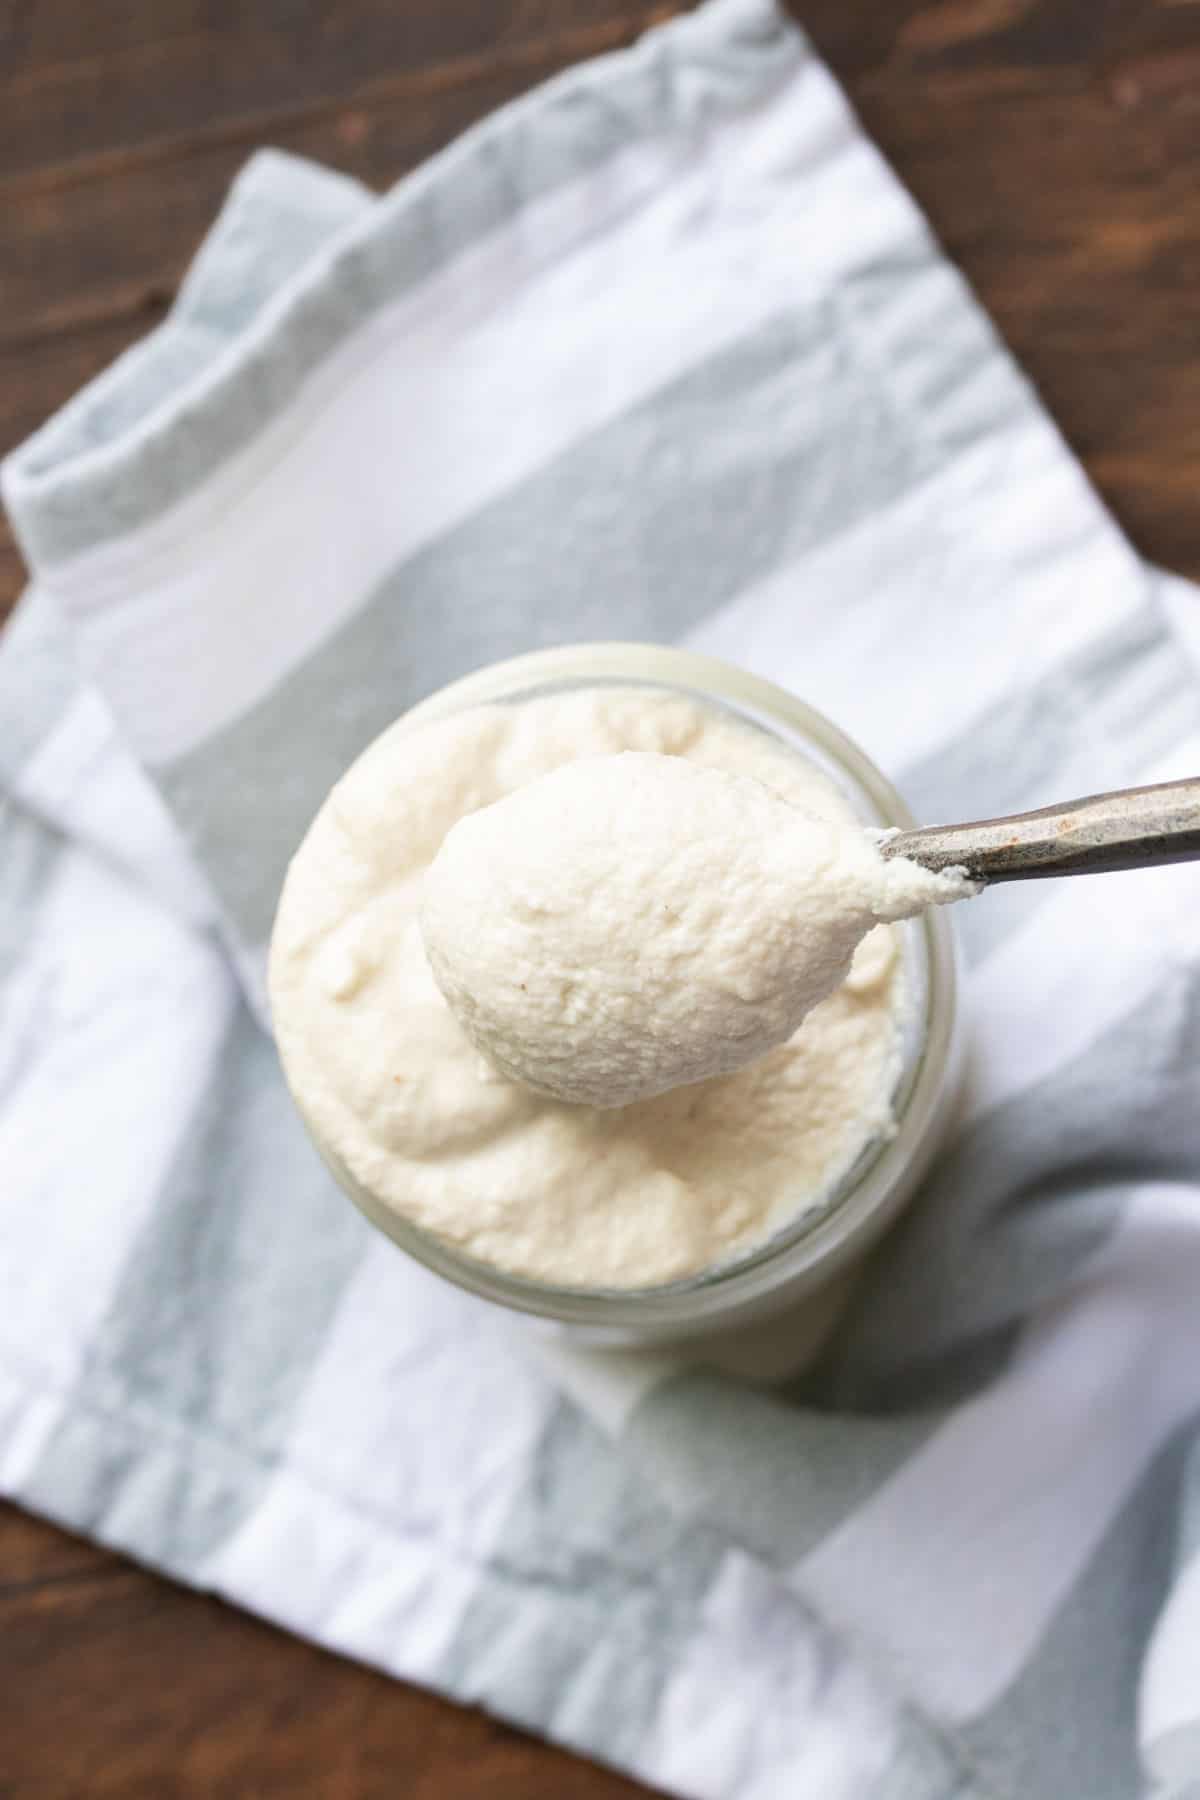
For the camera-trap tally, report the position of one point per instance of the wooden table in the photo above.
(1056, 146)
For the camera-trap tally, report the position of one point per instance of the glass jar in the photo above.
(808, 1255)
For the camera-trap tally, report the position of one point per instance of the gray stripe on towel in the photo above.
(640, 530)
(1068, 1723)
(1027, 1194)
(672, 84)
(1100, 720)
(592, 1595)
(221, 1311)
(37, 680)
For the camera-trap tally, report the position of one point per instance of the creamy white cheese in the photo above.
(632, 923)
(403, 1102)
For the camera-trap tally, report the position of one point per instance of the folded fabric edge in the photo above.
(277, 212)
(38, 679)
(924, 1762)
(114, 458)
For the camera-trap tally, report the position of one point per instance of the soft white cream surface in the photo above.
(635, 922)
(403, 1102)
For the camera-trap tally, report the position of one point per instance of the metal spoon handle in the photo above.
(1133, 828)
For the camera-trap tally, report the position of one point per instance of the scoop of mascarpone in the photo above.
(633, 923)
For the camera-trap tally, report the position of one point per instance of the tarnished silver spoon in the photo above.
(1133, 828)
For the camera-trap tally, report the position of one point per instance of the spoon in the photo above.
(1133, 828)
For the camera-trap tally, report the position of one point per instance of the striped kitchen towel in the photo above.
(661, 352)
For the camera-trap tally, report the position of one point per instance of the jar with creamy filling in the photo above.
(697, 1206)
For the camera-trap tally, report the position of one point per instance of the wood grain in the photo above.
(1055, 144)
(1056, 149)
(118, 1686)
(182, 73)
